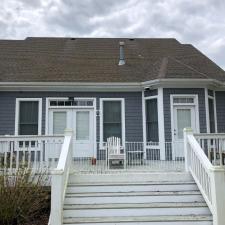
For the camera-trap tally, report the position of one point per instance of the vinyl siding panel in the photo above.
(220, 111)
(133, 110)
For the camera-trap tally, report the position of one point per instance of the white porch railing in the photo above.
(209, 178)
(60, 177)
(214, 146)
(36, 152)
(137, 159)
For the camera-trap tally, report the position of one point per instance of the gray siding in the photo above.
(149, 92)
(220, 110)
(133, 109)
(167, 114)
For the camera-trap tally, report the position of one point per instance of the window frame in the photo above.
(147, 99)
(122, 100)
(212, 98)
(18, 100)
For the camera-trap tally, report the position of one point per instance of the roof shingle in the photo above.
(96, 60)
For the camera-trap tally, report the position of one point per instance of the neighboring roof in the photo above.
(96, 60)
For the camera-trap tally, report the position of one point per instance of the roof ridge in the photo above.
(188, 66)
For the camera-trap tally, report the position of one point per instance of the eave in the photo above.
(111, 86)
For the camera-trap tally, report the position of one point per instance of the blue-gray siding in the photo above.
(133, 109)
(220, 110)
(167, 114)
(148, 92)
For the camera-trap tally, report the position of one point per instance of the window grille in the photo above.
(183, 100)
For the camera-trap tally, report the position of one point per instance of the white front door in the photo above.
(81, 121)
(83, 138)
(183, 116)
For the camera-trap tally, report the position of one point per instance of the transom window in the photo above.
(71, 102)
(183, 100)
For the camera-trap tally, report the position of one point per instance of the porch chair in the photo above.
(116, 156)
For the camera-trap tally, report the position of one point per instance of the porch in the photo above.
(202, 157)
(43, 153)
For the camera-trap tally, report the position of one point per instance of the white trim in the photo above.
(161, 124)
(48, 99)
(18, 100)
(144, 121)
(207, 110)
(183, 83)
(122, 118)
(161, 143)
(151, 97)
(214, 108)
(95, 128)
(215, 111)
(46, 116)
(109, 86)
(71, 86)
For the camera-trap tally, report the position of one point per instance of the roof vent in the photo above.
(122, 58)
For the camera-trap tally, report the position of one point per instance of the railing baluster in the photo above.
(11, 157)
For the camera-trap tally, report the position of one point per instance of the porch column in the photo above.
(161, 124)
(218, 194)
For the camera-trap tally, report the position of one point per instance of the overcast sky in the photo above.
(199, 22)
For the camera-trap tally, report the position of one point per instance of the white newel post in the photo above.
(187, 131)
(59, 180)
(56, 199)
(218, 195)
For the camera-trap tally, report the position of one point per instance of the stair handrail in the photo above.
(59, 181)
(209, 179)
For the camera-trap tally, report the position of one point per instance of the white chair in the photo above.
(116, 154)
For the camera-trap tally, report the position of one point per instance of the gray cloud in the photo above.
(199, 22)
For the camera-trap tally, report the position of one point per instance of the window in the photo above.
(82, 125)
(211, 115)
(72, 103)
(152, 132)
(28, 117)
(59, 122)
(183, 100)
(112, 124)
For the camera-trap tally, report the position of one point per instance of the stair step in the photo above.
(132, 187)
(140, 219)
(134, 199)
(132, 193)
(148, 223)
(136, 211)
(130, 177)
(127, 183)
(138, 205)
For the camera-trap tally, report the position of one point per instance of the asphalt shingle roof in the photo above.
(96, 60)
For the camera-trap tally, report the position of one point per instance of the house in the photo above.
(144, 91)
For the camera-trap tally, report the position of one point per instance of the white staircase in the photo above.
(154, 199)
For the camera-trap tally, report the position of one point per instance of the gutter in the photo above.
(110, 86)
